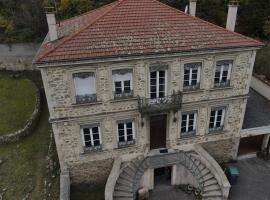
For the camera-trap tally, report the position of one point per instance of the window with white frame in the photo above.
(216, 118)
(188, 124)
(158, 85)
(85, 87)
(126, 132)
(122, 83)
(91, 136)
(223, 73)
(192, 75)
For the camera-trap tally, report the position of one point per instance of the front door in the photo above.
(158, 131)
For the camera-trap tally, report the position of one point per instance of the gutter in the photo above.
(102, 59)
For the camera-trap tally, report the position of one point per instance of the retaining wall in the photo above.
(18, 57)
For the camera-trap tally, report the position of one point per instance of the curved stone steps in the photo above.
(211, 189)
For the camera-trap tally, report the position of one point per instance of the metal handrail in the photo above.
(186, 161)
(173, 101)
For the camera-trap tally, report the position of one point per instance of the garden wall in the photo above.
(17, 57)
(30, 125)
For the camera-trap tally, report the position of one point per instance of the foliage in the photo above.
(262, 64)
(24, 166)
(18, 98)
(254, 17)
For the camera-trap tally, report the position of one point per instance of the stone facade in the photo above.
(66, 116)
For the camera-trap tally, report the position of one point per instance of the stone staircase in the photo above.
(128, 181)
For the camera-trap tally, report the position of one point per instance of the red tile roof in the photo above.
(136, 27)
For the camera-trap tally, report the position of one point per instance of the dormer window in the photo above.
(223, 73)
(85, 87)
(122, 83)
(192, 76)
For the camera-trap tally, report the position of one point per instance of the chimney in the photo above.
(232, 14)
(192, 7)
(51, 21)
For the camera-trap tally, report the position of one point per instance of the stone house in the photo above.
(136, 85)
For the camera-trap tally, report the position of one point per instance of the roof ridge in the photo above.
(79, 31)
(86, 13)
(212, 24)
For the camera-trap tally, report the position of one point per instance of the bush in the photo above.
(262, 64)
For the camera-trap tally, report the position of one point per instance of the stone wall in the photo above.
(27, 129)
(17, 57)
(223, 150)
(95, 172)
(66, 117)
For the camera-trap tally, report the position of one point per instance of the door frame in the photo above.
(149, 127)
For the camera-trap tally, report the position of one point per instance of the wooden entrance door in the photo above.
(158, 131)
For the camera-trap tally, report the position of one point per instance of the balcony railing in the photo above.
(167, 103)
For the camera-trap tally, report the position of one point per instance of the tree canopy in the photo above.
(24, 20)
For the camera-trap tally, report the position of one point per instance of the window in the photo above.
(157, 84)
(91, 137)
(126, 133)
(192, 76)
(85, 87)
(216, 119)
(122, 82)
(188, 124)
(223, 73)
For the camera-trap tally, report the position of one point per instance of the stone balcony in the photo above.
(167, 103)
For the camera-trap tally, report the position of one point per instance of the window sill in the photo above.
(87, 103)
(132, 98)
(193, 91)
(122, 146)
(188, 137)
(91, 150)
(217, 132)
(221, 88)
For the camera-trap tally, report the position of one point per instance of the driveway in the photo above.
(254, 180)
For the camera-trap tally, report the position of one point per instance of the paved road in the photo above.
(254, 180)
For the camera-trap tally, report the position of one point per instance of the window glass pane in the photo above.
(162, 88)
(220, 112)
(161, 94)
(190, 123)
(129, 125)
(190, 128)
(213, 113)
(211, 125)
(153, 88)
(153, 75)
(121, 132)
(129, 138)
(218, 124)
(86, 131)
(161, 80)
(96, 143)
(95, 130)
(186, 77)
(120, 126)
(194, 82)
(122, 139)
(87, 138)
(161, 73)
(183, 129)
(184, 117)
(88, 144)
(96, 136)
(117, 84)
(126, 83)
(153, 95)
(153, 81)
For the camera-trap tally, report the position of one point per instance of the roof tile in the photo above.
(128, 27)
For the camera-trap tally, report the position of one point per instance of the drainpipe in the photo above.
(232, 14)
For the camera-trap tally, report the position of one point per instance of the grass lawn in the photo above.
(86, 192)
(18, 98)
(24, 169)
